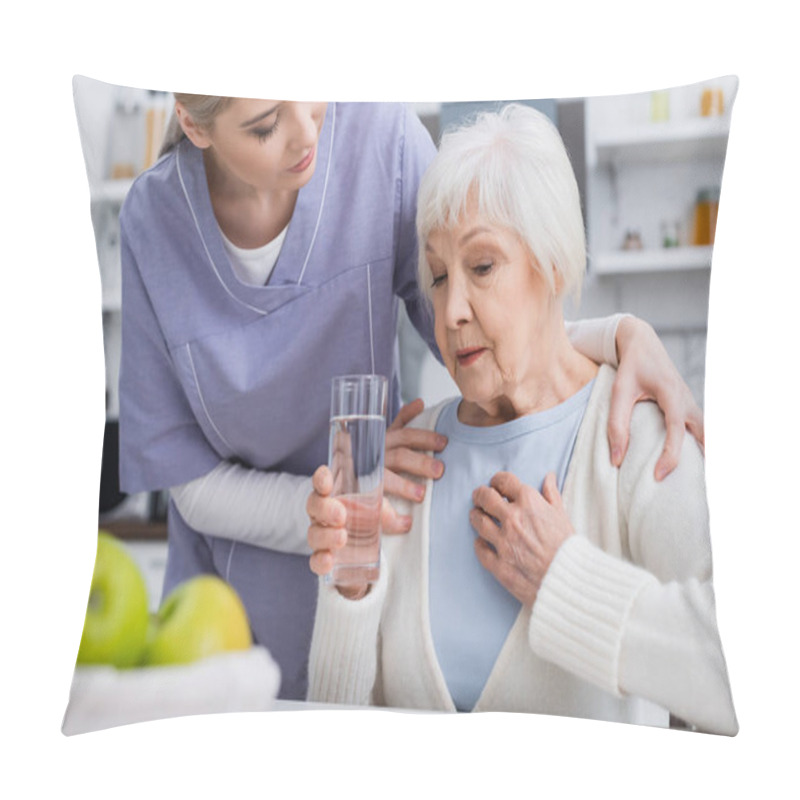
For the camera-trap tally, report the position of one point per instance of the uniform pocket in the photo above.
(261, 391)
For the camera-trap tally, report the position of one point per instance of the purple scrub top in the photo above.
(214, 369)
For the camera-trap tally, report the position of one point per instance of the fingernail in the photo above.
(441, 442)
(419, 492)
(616, 455)
(438, 469)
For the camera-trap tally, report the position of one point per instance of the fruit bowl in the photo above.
(195, 655)
(104, 696)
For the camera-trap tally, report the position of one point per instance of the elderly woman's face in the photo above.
(494, 312)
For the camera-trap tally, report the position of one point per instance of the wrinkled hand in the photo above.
(407, 452)
(646, 372)
(519, 532)
(327, 532)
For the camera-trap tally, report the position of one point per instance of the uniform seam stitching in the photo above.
(202, 399)
(202, 239)
(322, 199)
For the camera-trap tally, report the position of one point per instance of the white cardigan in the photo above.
(623, 628)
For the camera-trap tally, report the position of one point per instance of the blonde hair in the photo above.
(513, 163)
(202, 108)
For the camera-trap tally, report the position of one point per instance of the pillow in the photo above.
(649, 170)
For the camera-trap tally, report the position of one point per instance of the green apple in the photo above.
(199, 617)
(117, 615)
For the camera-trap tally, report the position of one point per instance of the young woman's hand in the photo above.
(646, 372)
(407, 458)
(519, 532)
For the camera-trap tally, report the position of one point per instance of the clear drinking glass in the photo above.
(355, 457)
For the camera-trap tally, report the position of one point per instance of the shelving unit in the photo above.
(669, 259)
(110, 191)
(106, 200)
(643, 174)
(663, 142)
(97, 107)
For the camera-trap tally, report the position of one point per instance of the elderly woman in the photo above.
(587, 590)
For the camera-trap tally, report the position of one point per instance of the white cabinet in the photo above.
(106, 201)
(648, 157)
(120, 129)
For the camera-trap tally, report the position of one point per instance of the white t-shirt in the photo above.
(254, 265)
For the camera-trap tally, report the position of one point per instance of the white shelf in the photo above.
(112, 300)
(672, 259)
(111, 191)
(427, 109)
(664, 141)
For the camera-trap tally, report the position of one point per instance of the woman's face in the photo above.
(495, 315)
(270, 145)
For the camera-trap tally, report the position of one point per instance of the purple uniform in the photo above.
(214, 369)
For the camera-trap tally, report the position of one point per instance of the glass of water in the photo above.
(355, 457)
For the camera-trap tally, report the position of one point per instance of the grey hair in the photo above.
(202, 108)
(514, 165)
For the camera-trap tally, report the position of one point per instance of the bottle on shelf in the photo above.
(632, 240)
(712, 102)
(705, 216)
(659, 106)
(670, 234)
(126, 144)
(137, 130)
(156, 116)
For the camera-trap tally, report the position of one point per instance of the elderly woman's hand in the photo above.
(646, 372)
(407, 452)
(519, 532)
(327, 532)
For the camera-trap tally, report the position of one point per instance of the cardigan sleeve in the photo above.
(644, 624)
(671, 650)
(343, 662)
